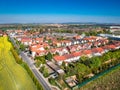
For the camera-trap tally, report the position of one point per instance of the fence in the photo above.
(95, 77)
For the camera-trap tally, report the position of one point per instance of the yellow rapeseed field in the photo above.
(12, 75)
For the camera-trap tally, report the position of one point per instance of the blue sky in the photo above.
(56, 11)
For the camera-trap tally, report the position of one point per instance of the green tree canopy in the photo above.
(49, 56)
(95, 62)
(22, 47)
(41, 59)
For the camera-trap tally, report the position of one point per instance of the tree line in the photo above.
(20, 61)
(86, 66)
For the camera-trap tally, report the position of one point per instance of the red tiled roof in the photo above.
(39, 39)
(35, 47)
(117, 45)
(96, 50)
(67, 56)
(87, 52)
(26, 39)
(52, 50)
(59, 58)
(65, 41)
(41, 52)
(75, 54)
(112, 46)
(105, 47)
(77, 37)
(18, 31)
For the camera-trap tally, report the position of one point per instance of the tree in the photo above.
(49, 56)
(45, 72)
(38, 63)
(49, 41)
(79, 77)
(87, 62)
(63, 65)
(42, 69)
(52, 81)
(105, 57)
(22, 47)
(83, 69)
(95, 62)
(18, 60)
(83, 58)
(41, 59)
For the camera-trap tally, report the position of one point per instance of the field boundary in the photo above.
(95, 77)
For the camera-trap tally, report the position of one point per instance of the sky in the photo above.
(59, 11)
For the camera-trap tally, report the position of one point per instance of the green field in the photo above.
(12, 75)
(110, 81)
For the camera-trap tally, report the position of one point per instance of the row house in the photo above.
(79, 47)
(73, 57)
(97, 44)
(39, 40)
(87, 45)
(57, 43)
(41, 53)
(53, 51)
(77, 37)
(36, 49)
(88, 39)
(110, 47)
(87, 53)
(74, 48)
(98, 51)
(62, 51)
(74, 42)
(26, 41)
(93, 39)
(66, 43)
(117, 45)
(18, 38)
(62, 43)
(59, 51)
(96, 41)
(19, 31)
(101, 42)
(39, 49)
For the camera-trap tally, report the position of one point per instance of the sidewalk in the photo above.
(46, 79)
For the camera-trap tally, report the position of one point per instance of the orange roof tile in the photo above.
(97, 50)
(87, 52)
(75, 54)
(112, 46)
(26, 39)
(59, 58)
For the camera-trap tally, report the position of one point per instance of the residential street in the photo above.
(38, 75)
(30, 63)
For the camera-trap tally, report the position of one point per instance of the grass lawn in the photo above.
(12, 75)
(110, 81)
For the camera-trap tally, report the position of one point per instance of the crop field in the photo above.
(12, 75)
(110, 81)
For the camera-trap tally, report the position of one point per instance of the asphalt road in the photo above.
(35, 71)
(31, 65)
(13, 41)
